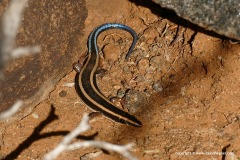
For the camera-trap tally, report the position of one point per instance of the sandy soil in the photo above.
(182, 84)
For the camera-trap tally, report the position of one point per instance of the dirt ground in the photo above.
(182, 83)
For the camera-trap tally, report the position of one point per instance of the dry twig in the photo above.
(11, 111)
(82, 127)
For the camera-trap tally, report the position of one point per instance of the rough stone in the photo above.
(56, 26)
(221, 16)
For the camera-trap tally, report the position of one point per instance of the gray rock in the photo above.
(56, 26)
(221, 16)
(135, 100)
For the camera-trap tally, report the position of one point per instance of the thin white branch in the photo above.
(24, 51)
(84, 126)
(122, 150)
(10, 24)
(11, 111)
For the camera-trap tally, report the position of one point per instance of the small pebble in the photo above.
(69, 84)
(62, 93)
(157, 76)
(134, 100)
(116, 101)
(135, 53)
(124, 84)
(35, 115)
(157, 87)
(155, 48)
(22, 77)
(121, 93)
(116, 87)
(132, 83)
(172, 76)
(152, 53)
(154, 61)
(143, 85)
(101, 72)
(93, 115)
(126, 69)
(148, 77)
(151, 69)
(145, 54)
(139, 78)
(77, 67)
(142, 65)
